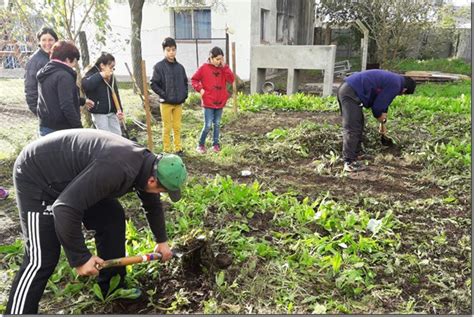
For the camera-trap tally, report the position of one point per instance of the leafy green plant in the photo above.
(450, 65)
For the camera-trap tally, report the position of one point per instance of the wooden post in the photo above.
(234, 84)
(147, 107)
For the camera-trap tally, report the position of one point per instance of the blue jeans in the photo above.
(45, 131)
(211, 116)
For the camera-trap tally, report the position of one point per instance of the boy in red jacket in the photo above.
(210, 81)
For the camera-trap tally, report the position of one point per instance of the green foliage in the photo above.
(451, 65)
(331, 253)
(296, 102)
(345, 247)
(68, 18)
(445, 90)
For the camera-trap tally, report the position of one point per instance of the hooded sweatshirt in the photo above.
(58, 97)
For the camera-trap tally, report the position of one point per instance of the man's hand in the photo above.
(89, 104)
(88, 268)
(120, 115)
(165, 251)
(202, 92)
(383, 118)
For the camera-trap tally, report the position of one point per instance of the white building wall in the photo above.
(270, 31)
(158, 23)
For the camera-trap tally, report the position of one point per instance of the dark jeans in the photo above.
(42, 247)
(42, 131)
(211, 116)
(352, 122)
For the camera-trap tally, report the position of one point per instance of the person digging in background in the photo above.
(210, 81)
(46, 39)
(170, 82)
(59, 101)
(99, 84)
(74, 177)
(373, 89)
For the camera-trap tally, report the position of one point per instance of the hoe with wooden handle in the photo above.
(129, 260)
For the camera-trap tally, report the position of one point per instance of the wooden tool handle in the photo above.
(116, 102)
(128, 260)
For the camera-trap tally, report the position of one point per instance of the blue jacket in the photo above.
(376, 88)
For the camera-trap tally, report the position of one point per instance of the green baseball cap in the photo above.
(172, 174)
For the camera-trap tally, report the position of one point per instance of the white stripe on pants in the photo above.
(107, 122)
(33, 267)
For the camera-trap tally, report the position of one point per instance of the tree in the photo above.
(448, 19)
(136, 8)
(334, 12)
(394, 23)
(67, 18)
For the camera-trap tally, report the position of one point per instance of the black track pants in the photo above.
(42, 247)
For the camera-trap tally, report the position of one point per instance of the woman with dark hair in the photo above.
(99, 85)
(210, 81)
(46, 39)
(59, 101)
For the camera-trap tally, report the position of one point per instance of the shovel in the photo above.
(386, 141)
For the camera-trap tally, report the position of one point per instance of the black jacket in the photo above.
(97, 90)
(169, 81)
(75, 170)
(36, 62)
(58, 97)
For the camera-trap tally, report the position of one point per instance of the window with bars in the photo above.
(192, 24)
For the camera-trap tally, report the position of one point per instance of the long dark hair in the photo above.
(105, 58)
(216, 51)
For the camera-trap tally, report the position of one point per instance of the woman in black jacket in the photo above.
(59, 102)
(99, 85)
(46, 39)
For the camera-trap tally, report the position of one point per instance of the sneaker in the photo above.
(3, 193)
(353, 167)
(201, 149)
(216, 148)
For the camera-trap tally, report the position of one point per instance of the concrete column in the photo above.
(329, 73)
(257, 79)
(293, 81)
